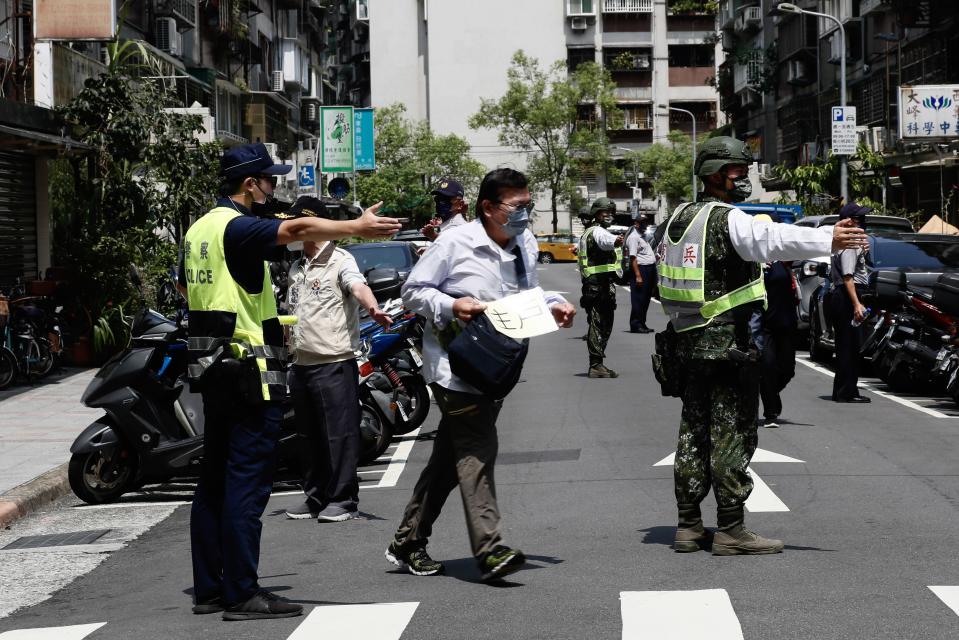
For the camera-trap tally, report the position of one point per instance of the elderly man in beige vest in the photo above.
(326, 289)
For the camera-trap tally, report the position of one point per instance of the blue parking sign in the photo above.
(306, 176)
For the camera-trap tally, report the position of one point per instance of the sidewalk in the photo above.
(38, 424)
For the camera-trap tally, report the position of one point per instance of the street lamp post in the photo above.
(693, 162)
(788, 7)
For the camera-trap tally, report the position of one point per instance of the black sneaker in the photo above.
(208, 605)
(263, 605)
(500, 562)
(416, 561)
(303, 511)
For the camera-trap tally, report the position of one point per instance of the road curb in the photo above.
(30, 496)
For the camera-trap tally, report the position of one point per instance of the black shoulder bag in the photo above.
(485, 358)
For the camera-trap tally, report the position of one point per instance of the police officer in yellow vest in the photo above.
(710, 281)
(600, 267)
(237, 360)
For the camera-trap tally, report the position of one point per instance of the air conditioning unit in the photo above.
(641, 61)
(276, 81)
(273, 149)
(578, 24)
(765, 172)
(875, 139)
(583, 192)
(167, 37)
(362, 10)
(797, 72)
(752, 17)
(312, 112)
(750, 98)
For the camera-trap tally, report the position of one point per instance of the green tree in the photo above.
(127, 203)
(543, 113)
(411, 159)
(668, 166)
(814, 183)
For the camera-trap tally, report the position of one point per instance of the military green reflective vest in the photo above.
(682, 276)
(224, 315)
(596, 261)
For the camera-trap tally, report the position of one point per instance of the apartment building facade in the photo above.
(782, 77)
(456, 52)
(256, 70)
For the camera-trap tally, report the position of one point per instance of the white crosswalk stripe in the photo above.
(679, 615)
(384, 621)
(75, 632)
(379, 621)
(949, 595)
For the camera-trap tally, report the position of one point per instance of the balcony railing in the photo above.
(748, 74)
(868, 6)
(183, 10)
(627, 6)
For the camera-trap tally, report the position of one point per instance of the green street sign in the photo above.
(336, 149)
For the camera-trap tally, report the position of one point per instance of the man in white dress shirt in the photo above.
(710, 282)
(490, 258)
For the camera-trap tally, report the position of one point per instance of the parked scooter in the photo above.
(152, 428)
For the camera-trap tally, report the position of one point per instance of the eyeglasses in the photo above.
(513, 208)
(271, 179)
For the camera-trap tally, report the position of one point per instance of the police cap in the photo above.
(250, 160)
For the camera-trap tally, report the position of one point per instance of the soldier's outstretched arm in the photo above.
(760, 241)
(369, 226)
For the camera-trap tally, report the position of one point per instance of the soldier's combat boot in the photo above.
(733, 539)
(690, 533)
(599, 370)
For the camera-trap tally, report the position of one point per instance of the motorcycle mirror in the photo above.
(384, 282)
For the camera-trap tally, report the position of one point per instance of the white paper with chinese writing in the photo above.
(521, 315)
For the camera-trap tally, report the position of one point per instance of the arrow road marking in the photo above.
(75, 632)
(385, 621)
(762, 499)
(679, 615)
(949, 595)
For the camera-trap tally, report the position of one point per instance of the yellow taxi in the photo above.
(555, 247)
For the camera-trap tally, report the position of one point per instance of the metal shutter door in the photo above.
(18, 218)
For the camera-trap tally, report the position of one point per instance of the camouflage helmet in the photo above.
(716, 153)
(602, 204)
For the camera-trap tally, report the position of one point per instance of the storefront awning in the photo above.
(38, 142)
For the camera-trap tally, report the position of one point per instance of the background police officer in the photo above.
(849, 280)
(600, 267)
(237, 359)
(710, 283)
(451, 208)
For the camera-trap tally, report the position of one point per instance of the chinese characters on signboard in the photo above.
(363, 140)
(844, 137)
(929, 111)
(336, 148)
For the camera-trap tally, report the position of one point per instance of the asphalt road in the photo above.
(865, 497)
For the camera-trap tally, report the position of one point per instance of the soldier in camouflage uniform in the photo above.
(710, 283)
(600, 267)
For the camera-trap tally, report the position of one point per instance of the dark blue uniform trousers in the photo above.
(640, 295)
(239, 457)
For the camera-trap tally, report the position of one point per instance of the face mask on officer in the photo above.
(266, 197)
(604, 218)
(444, 208)
(741, 189)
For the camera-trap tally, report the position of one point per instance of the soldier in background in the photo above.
(600, 267)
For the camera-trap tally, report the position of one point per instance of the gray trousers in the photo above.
(464, 454)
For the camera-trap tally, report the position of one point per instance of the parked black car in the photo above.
(921, 257)
(384, 255)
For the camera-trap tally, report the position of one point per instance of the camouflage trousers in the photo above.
(717, 436)
(599, 301)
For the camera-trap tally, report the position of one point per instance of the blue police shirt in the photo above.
(247, 242)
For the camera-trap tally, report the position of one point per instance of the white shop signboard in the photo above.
(929, 111)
